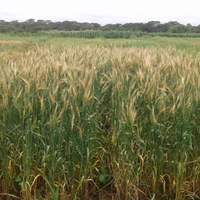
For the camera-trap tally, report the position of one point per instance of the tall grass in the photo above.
(77, 34)
(168, 34)
(98, 122)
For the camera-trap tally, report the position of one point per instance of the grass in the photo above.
(99, 118)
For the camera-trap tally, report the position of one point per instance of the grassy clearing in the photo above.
(99, 119)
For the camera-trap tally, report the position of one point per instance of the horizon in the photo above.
(35, 20)
(104, 12)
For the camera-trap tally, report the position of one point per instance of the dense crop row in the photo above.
(89, 121)
(167, 34)
(88, 34)
(79, 34)
(103, 34)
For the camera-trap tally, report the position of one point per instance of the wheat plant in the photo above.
(99, 122)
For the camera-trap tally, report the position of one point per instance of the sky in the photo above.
(102, 11)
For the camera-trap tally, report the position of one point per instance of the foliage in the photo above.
(103, 34)
(78, 34)
(33, 26)
(193, 35)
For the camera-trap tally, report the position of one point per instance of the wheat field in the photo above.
(93, 121)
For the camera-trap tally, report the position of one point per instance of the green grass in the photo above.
(187, 43)
(191, 45)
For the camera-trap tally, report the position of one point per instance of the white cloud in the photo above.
(104, 11)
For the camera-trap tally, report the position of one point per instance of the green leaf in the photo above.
(94, 175)
(102, 178)
(18, 179)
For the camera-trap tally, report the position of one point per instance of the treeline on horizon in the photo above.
(33, 26)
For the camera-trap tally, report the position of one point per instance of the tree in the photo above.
(189, 26)
(196, 29)
(30, 21)
(95, 25)
(180, 28)
(85, 26)
(133, 26)
(28, 24)
(109, 27)
(49, 22)
(41, 22)
(162, 27)
(151, 26)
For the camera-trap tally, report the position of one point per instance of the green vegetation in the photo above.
(32, 26)
(78, 34)
(105, 34)
(99, 118)
(167, 34)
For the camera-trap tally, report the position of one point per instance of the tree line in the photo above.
(33, 26)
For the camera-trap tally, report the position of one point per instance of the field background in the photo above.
(99, 118)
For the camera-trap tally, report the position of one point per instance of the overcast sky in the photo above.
(102, 11)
